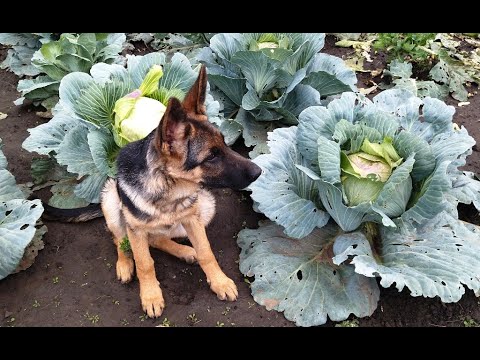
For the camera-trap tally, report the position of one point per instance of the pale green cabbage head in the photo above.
(136, 115)
(364, 173)
(269, 41)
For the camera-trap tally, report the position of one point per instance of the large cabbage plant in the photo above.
(22, 47)
(100, 112)
(70, 53)
(20, 232)
(264, 80)
(361, 190)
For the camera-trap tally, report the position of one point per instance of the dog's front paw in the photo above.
(152, 300)
(125, 267)
(189, 255)
(224, 287)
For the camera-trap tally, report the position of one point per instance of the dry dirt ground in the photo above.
(73, 282)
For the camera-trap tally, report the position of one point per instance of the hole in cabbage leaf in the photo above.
(8, 212)
(24, 226)
(33, 206)
(299, 275)
(443, 283)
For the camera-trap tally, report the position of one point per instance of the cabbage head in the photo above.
(136, 115)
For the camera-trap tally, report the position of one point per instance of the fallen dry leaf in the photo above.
(355, 63)
(366, 54)
(45, 114)
(362, 53)
(366, 91)
(363, 45)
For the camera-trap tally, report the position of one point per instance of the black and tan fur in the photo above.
(159, 194)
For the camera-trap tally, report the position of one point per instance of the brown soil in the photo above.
(73, 282)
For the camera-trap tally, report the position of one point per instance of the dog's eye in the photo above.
(213, 154)
(211, 157)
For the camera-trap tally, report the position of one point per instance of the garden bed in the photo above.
(73, 280)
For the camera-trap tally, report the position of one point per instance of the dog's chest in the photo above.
(162, 229)
(167, 212)
(176, 205)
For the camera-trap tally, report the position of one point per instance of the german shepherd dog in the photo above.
(160, 194)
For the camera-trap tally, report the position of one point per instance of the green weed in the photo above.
(125, 245)
(348, 323)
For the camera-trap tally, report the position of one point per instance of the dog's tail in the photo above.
(82, 214)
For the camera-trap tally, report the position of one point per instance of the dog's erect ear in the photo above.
(194, 102)
(173, 128)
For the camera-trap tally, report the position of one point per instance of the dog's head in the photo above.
(194, 149)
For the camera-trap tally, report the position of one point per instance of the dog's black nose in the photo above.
(254, 172)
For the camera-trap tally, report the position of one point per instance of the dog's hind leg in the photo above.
(184, 252)
(150, 292)
(111, 207)
(125, 264)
